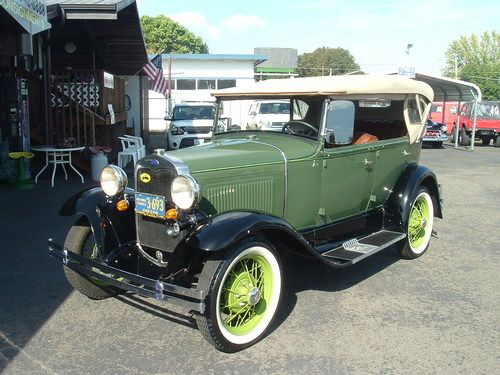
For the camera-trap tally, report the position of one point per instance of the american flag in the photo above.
(154, 72)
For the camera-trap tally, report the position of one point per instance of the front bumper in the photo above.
(439, 138)
(193, 299)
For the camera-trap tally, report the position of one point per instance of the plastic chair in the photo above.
(140, 145)
(129, 149)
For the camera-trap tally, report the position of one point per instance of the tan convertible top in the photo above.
(331, 85)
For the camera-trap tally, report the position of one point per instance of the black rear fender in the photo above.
(110, 227)
(411, 180)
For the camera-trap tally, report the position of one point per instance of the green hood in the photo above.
(237, 150)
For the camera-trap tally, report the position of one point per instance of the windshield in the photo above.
(274, 108)
(292, 116)
(488, 110)
(193, 112)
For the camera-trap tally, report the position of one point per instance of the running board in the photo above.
(352, 251)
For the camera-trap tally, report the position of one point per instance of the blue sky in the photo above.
(375, 32)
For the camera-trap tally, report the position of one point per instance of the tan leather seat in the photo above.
(363, 138)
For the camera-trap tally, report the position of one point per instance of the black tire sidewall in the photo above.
(404, 247)
(210, 280)
(76, 238)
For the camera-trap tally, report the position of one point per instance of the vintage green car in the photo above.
(205, 227)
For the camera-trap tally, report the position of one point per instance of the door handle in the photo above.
(368, 162)
(406, 153)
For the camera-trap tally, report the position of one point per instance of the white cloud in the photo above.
(241, 23)
(200, 25)
(197, 23)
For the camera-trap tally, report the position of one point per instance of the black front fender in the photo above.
(222, 231)
(101, 210)
(413, 177)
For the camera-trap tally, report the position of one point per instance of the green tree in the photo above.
(161, 34)
(325, 61)
(477, 60)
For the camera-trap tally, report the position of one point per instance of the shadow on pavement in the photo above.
(32, 284)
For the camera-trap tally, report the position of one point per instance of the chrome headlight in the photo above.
(185, 192)
(176, 130)
(113, 180)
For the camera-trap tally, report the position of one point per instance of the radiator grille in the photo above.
(253, 195)
(152, 232)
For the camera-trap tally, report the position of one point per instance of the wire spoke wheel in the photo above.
(244, 294)
(245, 288)
(419, 226)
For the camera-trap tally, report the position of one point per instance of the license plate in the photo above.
(150, 205)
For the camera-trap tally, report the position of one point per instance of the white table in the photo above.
(55, 156)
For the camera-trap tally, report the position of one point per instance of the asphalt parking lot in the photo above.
(436, 314)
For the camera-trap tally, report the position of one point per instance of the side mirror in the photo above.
(340, 122)
(168, 118)
(253, 113)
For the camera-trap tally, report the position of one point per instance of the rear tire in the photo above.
(418, 226)
(244, 289)
(486, 142)
(437, 144)
(496, 142)
(80, 240)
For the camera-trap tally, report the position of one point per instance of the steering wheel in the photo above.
(309, 129)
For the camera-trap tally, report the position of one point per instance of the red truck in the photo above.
(450, 113)
(487, 123)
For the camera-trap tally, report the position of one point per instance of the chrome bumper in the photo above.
(193, 299)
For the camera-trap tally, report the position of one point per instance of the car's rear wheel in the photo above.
(244, 289)
(486, 141)
(496, 142)
(419, 225)
(437, 144)
(80, 240)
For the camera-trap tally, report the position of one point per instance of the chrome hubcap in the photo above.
(254, 296)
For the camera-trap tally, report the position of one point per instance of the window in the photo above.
(206, 84)
(299, 109)
(414, 115)
(225, 83)
(186, 84)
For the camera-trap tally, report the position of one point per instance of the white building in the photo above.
(193, 76)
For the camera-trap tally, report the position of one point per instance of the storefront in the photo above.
(22, 34)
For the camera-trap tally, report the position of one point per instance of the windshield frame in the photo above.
(321, 117)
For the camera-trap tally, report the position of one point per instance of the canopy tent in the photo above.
(447, 89)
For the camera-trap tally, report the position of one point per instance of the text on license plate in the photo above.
(150, 205)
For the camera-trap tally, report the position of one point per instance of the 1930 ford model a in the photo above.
(205, 227)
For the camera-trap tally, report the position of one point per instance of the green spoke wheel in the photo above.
(419, 226)
(244, 290)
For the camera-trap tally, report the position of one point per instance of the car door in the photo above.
(348, 169)
(347, 181)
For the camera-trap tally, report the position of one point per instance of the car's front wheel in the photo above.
(419, 225)
(244, 289)
(80, 240)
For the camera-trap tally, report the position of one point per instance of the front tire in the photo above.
(80, 240)
(244, 289)
(419, 225)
